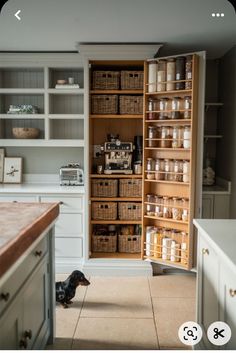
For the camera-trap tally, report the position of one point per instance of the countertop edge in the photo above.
(10, 253)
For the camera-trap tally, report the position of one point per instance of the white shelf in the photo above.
(27, 91)
(41, 143)
(66, 91)
(22, 116)
(66, 116)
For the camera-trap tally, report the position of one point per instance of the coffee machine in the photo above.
(118, 156)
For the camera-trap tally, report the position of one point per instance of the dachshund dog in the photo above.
(65, 291)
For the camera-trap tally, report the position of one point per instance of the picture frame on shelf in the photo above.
(13, 170)
(2, 155)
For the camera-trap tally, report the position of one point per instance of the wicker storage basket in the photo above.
(129, 243)
(104, 243)
(104, 188)
(130, 211)
(104, 210)
(131, 79)
(104, 104)
(130, 188)
(131, 105)
(106, 80)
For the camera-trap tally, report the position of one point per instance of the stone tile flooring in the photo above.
(127, 313)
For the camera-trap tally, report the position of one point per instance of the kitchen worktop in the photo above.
(20, 225)
(40, 188)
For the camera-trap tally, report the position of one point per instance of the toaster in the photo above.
(71, 174)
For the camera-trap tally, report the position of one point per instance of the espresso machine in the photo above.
(118, 157)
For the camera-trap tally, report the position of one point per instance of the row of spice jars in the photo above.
(171, 74)
(167, 244)
(166, 108)
(167, 207)
(168, 169)
(169, 137)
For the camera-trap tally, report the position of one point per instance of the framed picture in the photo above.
(12, 170)
(2, 155)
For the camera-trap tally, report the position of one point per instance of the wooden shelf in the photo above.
(166, 262)
(117, 91)
(135, 199)
(116, 116)
(117, 176)
(166, 219)
(168, 149)
(115, 255)
(170, 121)
(117, 221)
(167, 182)
(181, 91)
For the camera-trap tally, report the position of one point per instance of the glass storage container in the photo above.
(170, 74)
(166, 207)
(174, 251)
(166, 244)
(161, 75)
(185, 204)
(177, 136)
(180, 72)
(152, 76)
(187, 107)
(187, 137)
(176, 209)
(158, 206)
(176, 106)
(150, 164)
(164, 107)
(184, 248)
(159, 175)
(152, 134)
(165, 141)
(178, 170)
(186, 171)
(188, 72)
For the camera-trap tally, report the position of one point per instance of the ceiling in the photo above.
(57, 25)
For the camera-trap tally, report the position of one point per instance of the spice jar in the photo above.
(175, 105)
(176, 210)
(152, 134)
(152, 107)
(166, 207)
(178, 170)
(152, 76)
(164, 105)
(165, 141)
(159, 206)
(188, 72)
(185, 204)
(161, 75)
(150, 164)
(177, 135)
(187, 107)
(187, 137)
(159, 175)
(186, 171)
(180, 72)
(170, 74)
(169, 169)
(150, 210)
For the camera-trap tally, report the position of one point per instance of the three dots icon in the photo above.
(217, 14)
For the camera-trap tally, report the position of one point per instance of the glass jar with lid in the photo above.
(187, 137)
(166, 244)
(152, 76)
(161, 75)
(186, 171)
(180, 72)
(150, 210)
(166, 207)
(176, 209)
(168, 169)
(187, 107)
(188, 72)
(170, 74)
(177, 137)
(152, 135)
(152, 113)
(164, 109)
(165, 141)
(158, 206)
(159, 175)
(185, 204)
(178, 170)
(176, 106)
(184, 248)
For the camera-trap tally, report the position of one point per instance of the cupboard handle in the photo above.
(23, 344)
(5, 296)
(28, 334)
(205, 251)
(61, 203)
(232, 292)
(38, 253)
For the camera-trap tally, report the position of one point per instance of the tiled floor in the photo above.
(127, 313)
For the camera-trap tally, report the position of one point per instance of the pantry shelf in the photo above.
(167, 182)
(135, 199)
(171, 220)
(161, 93)
(169, 122)
(23, 116)
(166, 262)
(117, 91)
(116, 116)
(115, 255)
(117, 176)
(116, 222)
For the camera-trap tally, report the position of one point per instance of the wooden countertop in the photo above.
(20, 225)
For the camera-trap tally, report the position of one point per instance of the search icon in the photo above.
(190, 333)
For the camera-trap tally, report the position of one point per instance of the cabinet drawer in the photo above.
(67, 204)
(69, 224)
(18, 198)
(10, 288)
(69, 247)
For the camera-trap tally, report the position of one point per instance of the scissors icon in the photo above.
(218, 333)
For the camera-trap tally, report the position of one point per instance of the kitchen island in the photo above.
(27, 283)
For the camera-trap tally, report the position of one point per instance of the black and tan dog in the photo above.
(65, 291)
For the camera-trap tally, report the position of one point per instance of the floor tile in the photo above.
(173, 286)
(107, 333)
(170, 313)
(118, 297)
(60, 344)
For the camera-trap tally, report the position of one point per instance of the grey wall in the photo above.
(45, 160)
(226, 149)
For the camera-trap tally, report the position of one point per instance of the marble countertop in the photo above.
(221, 235)
(20, 225)
(40, 188)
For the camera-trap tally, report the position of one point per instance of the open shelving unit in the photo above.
(153, 242)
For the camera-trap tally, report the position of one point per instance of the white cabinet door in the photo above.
(69, 224)
(228, 303)
(68, 247)
(208, 284)
(19, 198)
(67, 204)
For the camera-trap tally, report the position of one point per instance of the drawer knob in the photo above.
(38, 253)
(232, 292)
(205, 251)
(61, 203)
(5, 296)
(28, 334)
